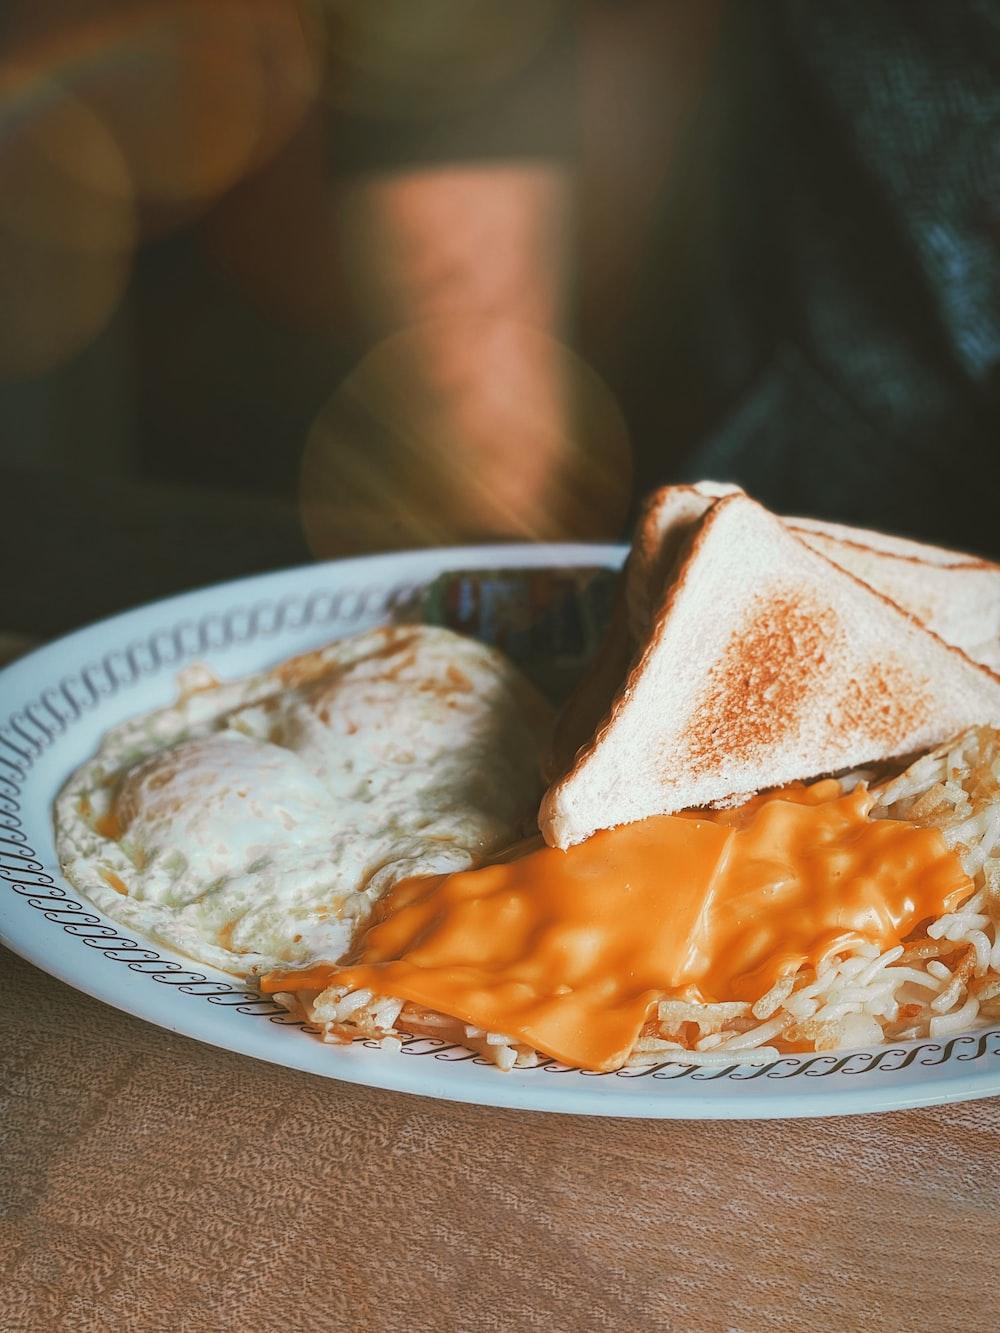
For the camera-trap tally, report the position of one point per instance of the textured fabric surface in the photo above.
(819, 316)
(150, 1182)
(841, 273)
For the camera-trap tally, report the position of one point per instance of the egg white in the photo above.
(254, 824)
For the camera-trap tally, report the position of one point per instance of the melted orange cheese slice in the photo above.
(569, 951)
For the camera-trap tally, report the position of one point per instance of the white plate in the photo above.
(56, 704)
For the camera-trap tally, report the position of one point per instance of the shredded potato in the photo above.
(945, 981)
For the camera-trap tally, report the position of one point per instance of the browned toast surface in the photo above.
(765, 663)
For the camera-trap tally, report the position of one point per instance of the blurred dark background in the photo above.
(180, 303)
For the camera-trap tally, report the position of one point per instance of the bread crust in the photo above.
(956, 595)
(878, 728)
(891, 546)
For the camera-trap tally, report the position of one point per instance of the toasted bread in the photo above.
(957, 597)
(955, 594)
(884, 542)
(664, 523)
(765, 664)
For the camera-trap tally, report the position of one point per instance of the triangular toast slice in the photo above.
(884, 542)
(955, 595)
(665, 522)
(765, 664)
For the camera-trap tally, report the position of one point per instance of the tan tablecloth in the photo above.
(153, 1183)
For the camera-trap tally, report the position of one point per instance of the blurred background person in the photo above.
(287, 278)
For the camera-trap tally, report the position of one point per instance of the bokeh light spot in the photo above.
(199, 94)
(465, 429)
(67, 227)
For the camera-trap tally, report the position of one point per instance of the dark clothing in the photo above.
(843, 300)
(820, 320)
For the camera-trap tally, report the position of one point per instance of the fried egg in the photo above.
(254, 824)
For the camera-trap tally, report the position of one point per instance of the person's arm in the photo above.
(465, 270)
(488, 240)
(456, 231)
